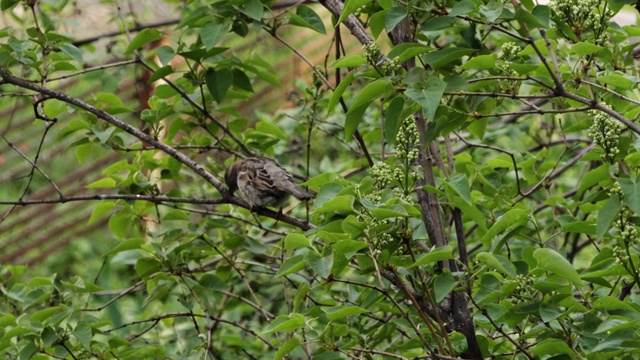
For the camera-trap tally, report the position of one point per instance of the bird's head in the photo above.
(231, 176)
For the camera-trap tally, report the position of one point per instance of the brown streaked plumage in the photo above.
(261, 181)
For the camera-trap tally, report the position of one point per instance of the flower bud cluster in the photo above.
(372, 53)
(400, 194)
(407, 139)
(391, 66)
(509, 51)
(615, 189)
(525, 282)
(621, 255)
(626, 228)
(381, 175)
(583, 14)
(605, 132)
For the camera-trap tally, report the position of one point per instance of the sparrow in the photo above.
(261, 181)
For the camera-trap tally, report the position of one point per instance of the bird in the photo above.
(262, 182)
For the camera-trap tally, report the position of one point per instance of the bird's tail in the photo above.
(302, 194)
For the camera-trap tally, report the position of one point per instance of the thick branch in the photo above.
(197, 168)
(351, 22)
(101, 114)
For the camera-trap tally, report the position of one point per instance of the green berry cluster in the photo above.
(605, 132)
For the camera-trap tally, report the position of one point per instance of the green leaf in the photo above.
(543, 14)
(492, 10)
(470, 211)
(549, 311)
(606, 215)
(349, 61)
(548, 347)
(339, 90)
(129, 244)
(83, 332)
(394, 16)
(480, 62)
(377, 22)
(146, 267)
(497, 262)
(550, 260)
(291, 265)
(119, 224)
(295, 241)
(241, 80)
(306, 17)
(438, 254)
(584, 227)
(460, 184)
(584, 48)
(610, 303)
(142, 38)
(106, 183)
(616, 80)
(338, 205)
(339, 312)
(443, 285)
(392, 119)
(354, 117)
(408, 51)
(320, 264)
(613, 325)
(429, 97)
(438, 23)
(72, 51)
(165, 54)
(350, 6)
(253, 8)
(593, 177)
(286, 323)
(7, 4)
(267, 127)
(161, 73)
(286, 348)
(42, 315)
(218, 82)
(213, 282)
(7, 320)
(447, 56)
(631, 192)
(510, 220)
(212, 32)
(527, 18)
(54, 108)
(348, 247)
(301, 295)
(371, 92)
(382, 213)
(462, 8)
